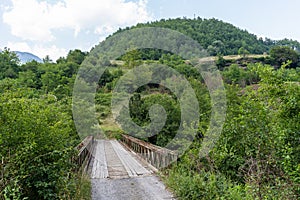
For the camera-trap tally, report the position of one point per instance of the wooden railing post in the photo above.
(157, 156)
(85, 149)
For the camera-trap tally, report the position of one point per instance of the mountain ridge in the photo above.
(27, 57)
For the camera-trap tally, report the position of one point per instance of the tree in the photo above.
(132, 58)
(50, 81)
(220, 62)
(233, 74)
(76, 56)
(243, 52)
(47, 59)
(9, 64)
(282, 54)
(216, 48)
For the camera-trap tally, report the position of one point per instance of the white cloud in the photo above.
(53, 51)
(41, 51)
(36, 20)
(19, 46)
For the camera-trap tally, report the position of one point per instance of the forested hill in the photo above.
(219, 37)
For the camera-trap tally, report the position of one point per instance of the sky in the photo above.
(54, 27)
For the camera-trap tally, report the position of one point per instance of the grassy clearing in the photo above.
(110, 127)
(235, 57)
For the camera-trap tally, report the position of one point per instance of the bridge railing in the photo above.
(157, 156)
(85, 149)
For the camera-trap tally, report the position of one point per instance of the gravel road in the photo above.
(139, 188)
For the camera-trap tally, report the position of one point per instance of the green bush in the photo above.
(190, 185)
(37, 139)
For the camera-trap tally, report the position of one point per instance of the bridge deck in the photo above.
(117, 174)
(113, 161)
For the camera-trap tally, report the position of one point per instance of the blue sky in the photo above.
(53, 27)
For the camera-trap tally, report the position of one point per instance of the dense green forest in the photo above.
(219, 37)
(256, 157)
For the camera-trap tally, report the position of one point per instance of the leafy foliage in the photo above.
(282, 54)
(36, 142)
(8, 64)
(37, 133)
(217, 37)
(255, 157)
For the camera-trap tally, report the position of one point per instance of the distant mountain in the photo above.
(27, 57)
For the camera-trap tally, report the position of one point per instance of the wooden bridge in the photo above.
(124, 169)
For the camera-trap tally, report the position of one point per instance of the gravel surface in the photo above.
(139, 188)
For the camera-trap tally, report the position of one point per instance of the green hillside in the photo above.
(219, 37)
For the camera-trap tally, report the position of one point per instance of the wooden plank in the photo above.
(99, 169)
(129, 171)
(116, 168)
(112, 160)
(133, 167)
(103, 162)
